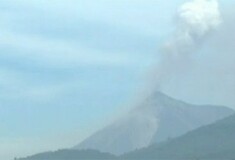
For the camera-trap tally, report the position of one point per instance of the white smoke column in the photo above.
(195, 20)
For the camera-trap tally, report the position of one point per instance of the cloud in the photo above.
(210, 78)
(53, 21)
(199, 17)
(58, 52)
(195, 20)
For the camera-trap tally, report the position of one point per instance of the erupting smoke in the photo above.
(195, 20)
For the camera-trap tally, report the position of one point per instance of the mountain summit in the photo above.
(157, 119)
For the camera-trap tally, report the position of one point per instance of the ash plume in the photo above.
(195, 20)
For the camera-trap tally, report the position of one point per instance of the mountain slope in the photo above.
(157, 119)
(214, 141)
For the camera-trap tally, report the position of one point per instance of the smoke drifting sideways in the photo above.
(195, 20)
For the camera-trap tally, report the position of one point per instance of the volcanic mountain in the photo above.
(157, 119)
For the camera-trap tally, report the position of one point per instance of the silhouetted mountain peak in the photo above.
(160, 97)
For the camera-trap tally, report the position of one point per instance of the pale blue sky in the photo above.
(69, 67)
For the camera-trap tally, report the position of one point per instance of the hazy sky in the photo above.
(66, 66)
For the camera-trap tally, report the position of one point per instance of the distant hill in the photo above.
(157, 119)
(215, 141)
(71, 155)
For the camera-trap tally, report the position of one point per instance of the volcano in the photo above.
(159, 118)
